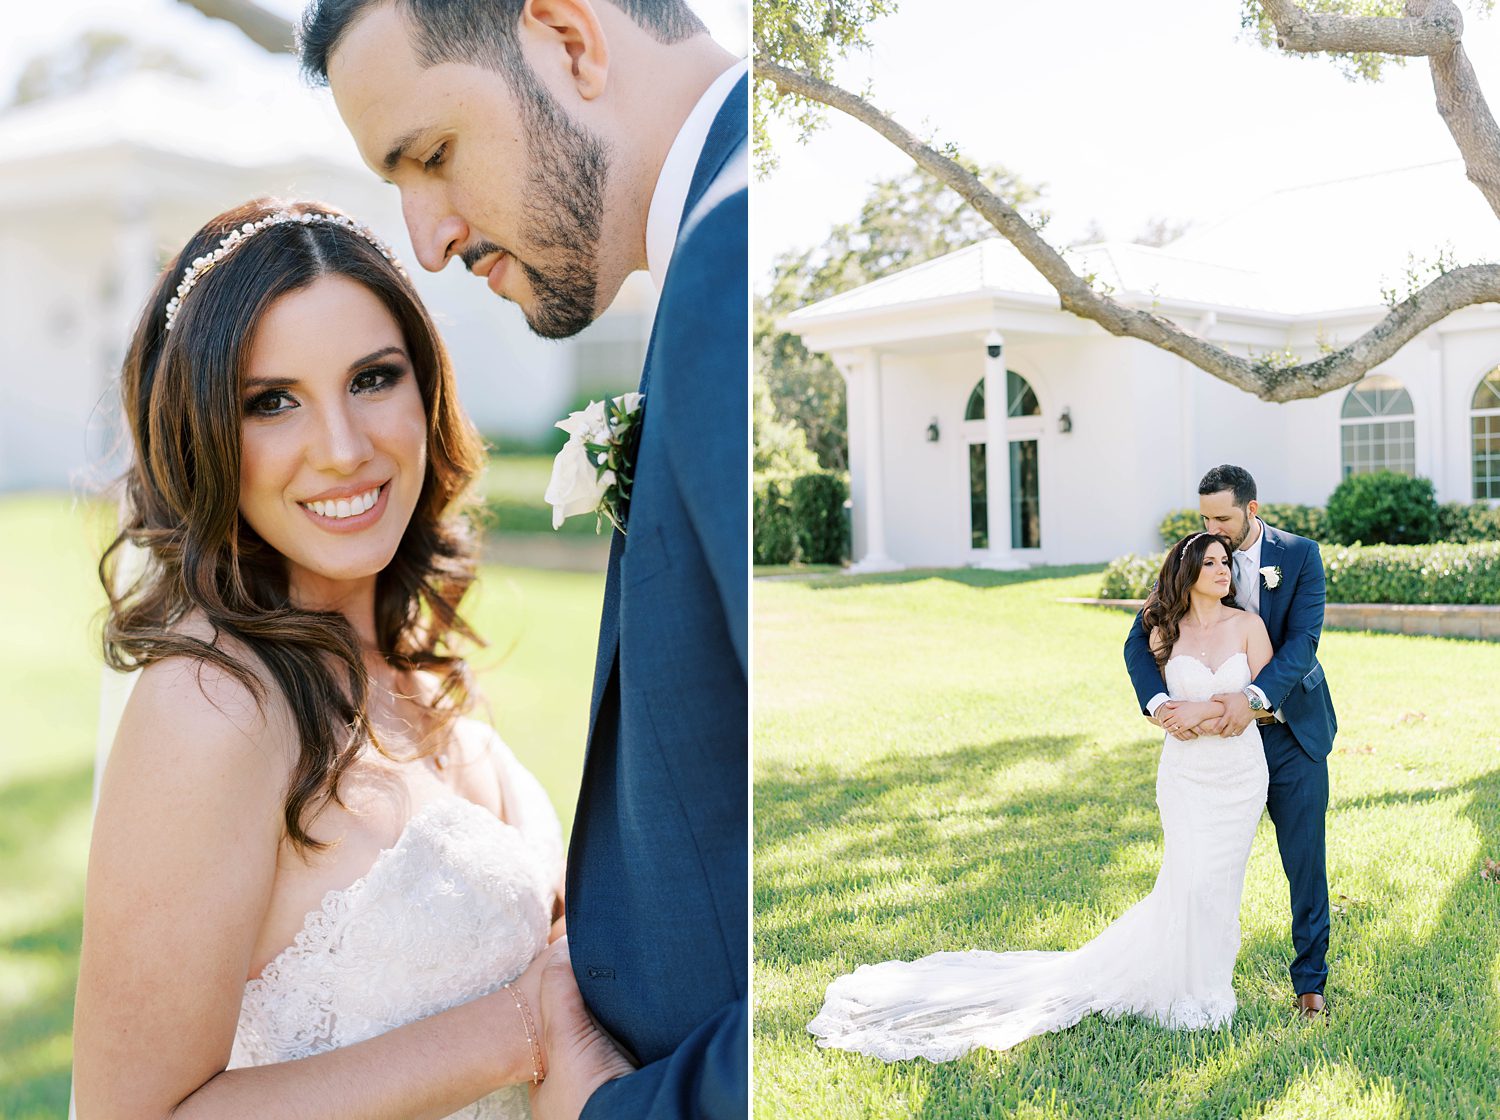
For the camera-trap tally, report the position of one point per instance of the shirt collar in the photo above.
(1253, 552)
(670, 196)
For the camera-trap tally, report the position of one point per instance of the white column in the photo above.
(875, 558)
(997, 457)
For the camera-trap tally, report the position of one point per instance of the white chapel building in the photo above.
(947, 360)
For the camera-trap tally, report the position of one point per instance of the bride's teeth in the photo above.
(346, 507)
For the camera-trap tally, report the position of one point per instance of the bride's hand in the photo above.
(1172, 716)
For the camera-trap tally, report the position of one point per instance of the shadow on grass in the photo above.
(977, 578)
(986, 859)
(34, 1034)
(35, 1076)
(987, 848)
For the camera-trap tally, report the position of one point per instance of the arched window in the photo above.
(1484, 423)
(1022, 400)
(1025, 485)
(1378, 429)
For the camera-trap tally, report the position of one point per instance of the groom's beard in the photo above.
(564, 211)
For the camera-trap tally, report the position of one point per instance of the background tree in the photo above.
(793, 65)
(905, 220)
(90, 59)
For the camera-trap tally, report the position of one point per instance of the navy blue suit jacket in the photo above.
(1293, 613)
(658, 879)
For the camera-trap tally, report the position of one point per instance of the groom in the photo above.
(555, 146)
(1280, 577)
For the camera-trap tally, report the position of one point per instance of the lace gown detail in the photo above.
(459, 906)
(1169, 958)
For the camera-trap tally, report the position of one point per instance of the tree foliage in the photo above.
(905, 219)
(91, 59)
(810, 35)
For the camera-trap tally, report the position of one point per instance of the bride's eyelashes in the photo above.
(432, 162)
(372, 379)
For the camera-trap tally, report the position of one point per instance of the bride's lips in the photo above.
(358, 521)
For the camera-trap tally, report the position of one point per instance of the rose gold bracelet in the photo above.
(537, 1076)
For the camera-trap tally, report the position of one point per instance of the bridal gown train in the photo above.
(1169, 958)
(459, 906)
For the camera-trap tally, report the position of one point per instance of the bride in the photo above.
(1170, 957)
(314, 889)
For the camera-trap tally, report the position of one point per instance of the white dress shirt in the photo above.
(1247, 595)
(665, 215)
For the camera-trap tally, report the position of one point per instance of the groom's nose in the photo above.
(435, 235)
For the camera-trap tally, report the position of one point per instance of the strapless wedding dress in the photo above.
(1169, 958)
(459, 906)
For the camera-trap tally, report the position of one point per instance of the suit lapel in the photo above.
(725, 137)
(1272, 601)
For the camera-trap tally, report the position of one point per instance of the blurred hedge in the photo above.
(800, 517)
(1460, 574)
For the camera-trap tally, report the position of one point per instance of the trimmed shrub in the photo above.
(1178, 524)
(1435, 573)
(817, 510)
(1132, 576)
(1383, 508)
(1304, 521)
(1461, 574)
(775, 528)
(1465, 524)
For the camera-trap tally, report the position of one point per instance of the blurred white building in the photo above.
(99, 189)
(1105, 435)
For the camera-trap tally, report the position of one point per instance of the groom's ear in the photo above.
(569, 42)
(1252, 508)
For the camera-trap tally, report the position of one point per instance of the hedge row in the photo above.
(1305, 521)
(801, 518)
(1457, 523)
(1425, 573)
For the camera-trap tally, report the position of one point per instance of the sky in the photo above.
(1127, 112)
(33, 28)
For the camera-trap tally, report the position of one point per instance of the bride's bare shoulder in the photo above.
(199, 712)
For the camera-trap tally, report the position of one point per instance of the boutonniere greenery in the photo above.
(594, 470)
(1272, 577)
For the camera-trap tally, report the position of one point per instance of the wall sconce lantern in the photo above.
(932, 431)
(993, 349)
(1065, 421)
(993, 343)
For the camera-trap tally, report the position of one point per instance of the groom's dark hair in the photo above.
(1229, 477)
(477, 32)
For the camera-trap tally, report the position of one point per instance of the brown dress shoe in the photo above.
(1310, 1005)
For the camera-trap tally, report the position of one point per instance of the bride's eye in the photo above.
(270, 403)
(376, 378)
(436, 158)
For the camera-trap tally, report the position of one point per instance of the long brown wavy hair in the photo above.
(180, 392)
(1168, 602)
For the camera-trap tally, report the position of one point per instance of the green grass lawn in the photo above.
(955, 760)
(537, 676)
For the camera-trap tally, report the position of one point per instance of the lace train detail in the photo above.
(1169, 958)
(460, 905)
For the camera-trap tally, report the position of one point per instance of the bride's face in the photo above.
(1215, 575)
(333, 436)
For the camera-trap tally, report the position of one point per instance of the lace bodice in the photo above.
(1189, 679)
(460, 905)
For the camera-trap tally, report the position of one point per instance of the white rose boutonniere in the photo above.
(1272, 577)
(594, 470)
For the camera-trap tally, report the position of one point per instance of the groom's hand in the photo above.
(1236, 715)
(580, 1056)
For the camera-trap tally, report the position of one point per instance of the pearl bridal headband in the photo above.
(195, 271)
